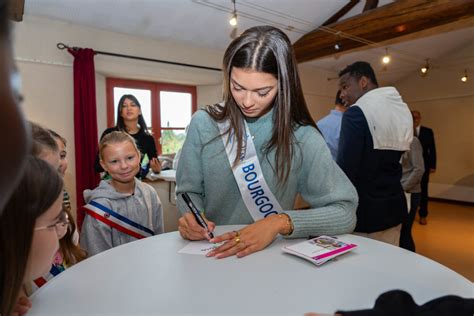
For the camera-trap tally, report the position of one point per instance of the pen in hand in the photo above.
(196, 213)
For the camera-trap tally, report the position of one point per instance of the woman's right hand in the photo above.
(155, 165)
(22, 306)
(190, 229)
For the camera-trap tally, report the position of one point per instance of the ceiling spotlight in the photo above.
(233, 18)
(465, 77)
(386, 57)
(425, 68)
(337, 46)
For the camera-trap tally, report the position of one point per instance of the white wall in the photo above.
(209, 94)
(319, 88)
(447, 106)
(48, 77)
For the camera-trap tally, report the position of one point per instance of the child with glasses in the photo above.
(31, 225)
(70, 248)
(122, 209)
(70, 252)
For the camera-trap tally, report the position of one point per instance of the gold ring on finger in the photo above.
(237, 239)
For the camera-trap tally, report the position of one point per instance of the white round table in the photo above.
(150, 277)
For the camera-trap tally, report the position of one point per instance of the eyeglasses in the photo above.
(61, 225)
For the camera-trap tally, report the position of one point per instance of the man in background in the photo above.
(376, 130)
(426, 137)
(413, 169)
(330, 125)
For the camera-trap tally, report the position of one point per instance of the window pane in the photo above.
(172, 140)
(143, 96)
(175, 109)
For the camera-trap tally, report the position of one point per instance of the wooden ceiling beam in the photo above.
(339, 14)
(17, 9)
(382, 24)
(370, 4)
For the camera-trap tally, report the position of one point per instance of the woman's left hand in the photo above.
(155, 165)
(249, 239)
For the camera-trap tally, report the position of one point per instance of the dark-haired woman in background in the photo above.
(131, 121)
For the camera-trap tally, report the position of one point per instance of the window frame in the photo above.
(155, 88)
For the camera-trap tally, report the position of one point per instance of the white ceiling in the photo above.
(408, 57)
(205, 23)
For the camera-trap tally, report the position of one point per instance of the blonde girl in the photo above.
(122, 209)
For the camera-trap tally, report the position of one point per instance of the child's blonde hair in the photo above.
(114, 138)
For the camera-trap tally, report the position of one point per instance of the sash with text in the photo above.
(256, 194)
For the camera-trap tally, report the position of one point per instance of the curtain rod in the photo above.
(62, 46)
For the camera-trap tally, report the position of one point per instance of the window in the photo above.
(166, 108)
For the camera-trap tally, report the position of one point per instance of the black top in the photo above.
(375, 174)
(427, 141)
(145, 144)
(400, 303)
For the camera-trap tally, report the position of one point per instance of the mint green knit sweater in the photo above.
(205, 174)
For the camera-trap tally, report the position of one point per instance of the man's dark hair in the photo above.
(359, 69)
(338, 100)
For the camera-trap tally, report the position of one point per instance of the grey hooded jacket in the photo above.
(97, 236)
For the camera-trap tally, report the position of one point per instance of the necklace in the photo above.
(133, 130)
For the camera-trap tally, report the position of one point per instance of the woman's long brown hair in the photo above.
(71, 252)
(266, 49)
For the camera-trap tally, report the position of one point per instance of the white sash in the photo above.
(257, 196)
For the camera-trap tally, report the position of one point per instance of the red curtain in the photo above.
(85, 125)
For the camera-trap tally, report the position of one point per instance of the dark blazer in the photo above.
(427, 141)
(376, 175)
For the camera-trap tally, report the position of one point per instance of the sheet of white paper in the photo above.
(201, 247)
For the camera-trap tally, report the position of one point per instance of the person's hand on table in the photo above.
(251, 238)
(22, 306)
(155, 165)
(190, 229)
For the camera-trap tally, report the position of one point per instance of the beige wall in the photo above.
(47, 74)
(209, 94)
(447, 106)
(319, 88)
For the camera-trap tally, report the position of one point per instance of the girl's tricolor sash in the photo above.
(117, 221)
(54, 271)
(255, 192)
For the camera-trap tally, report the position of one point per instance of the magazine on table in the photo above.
(319, 250)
